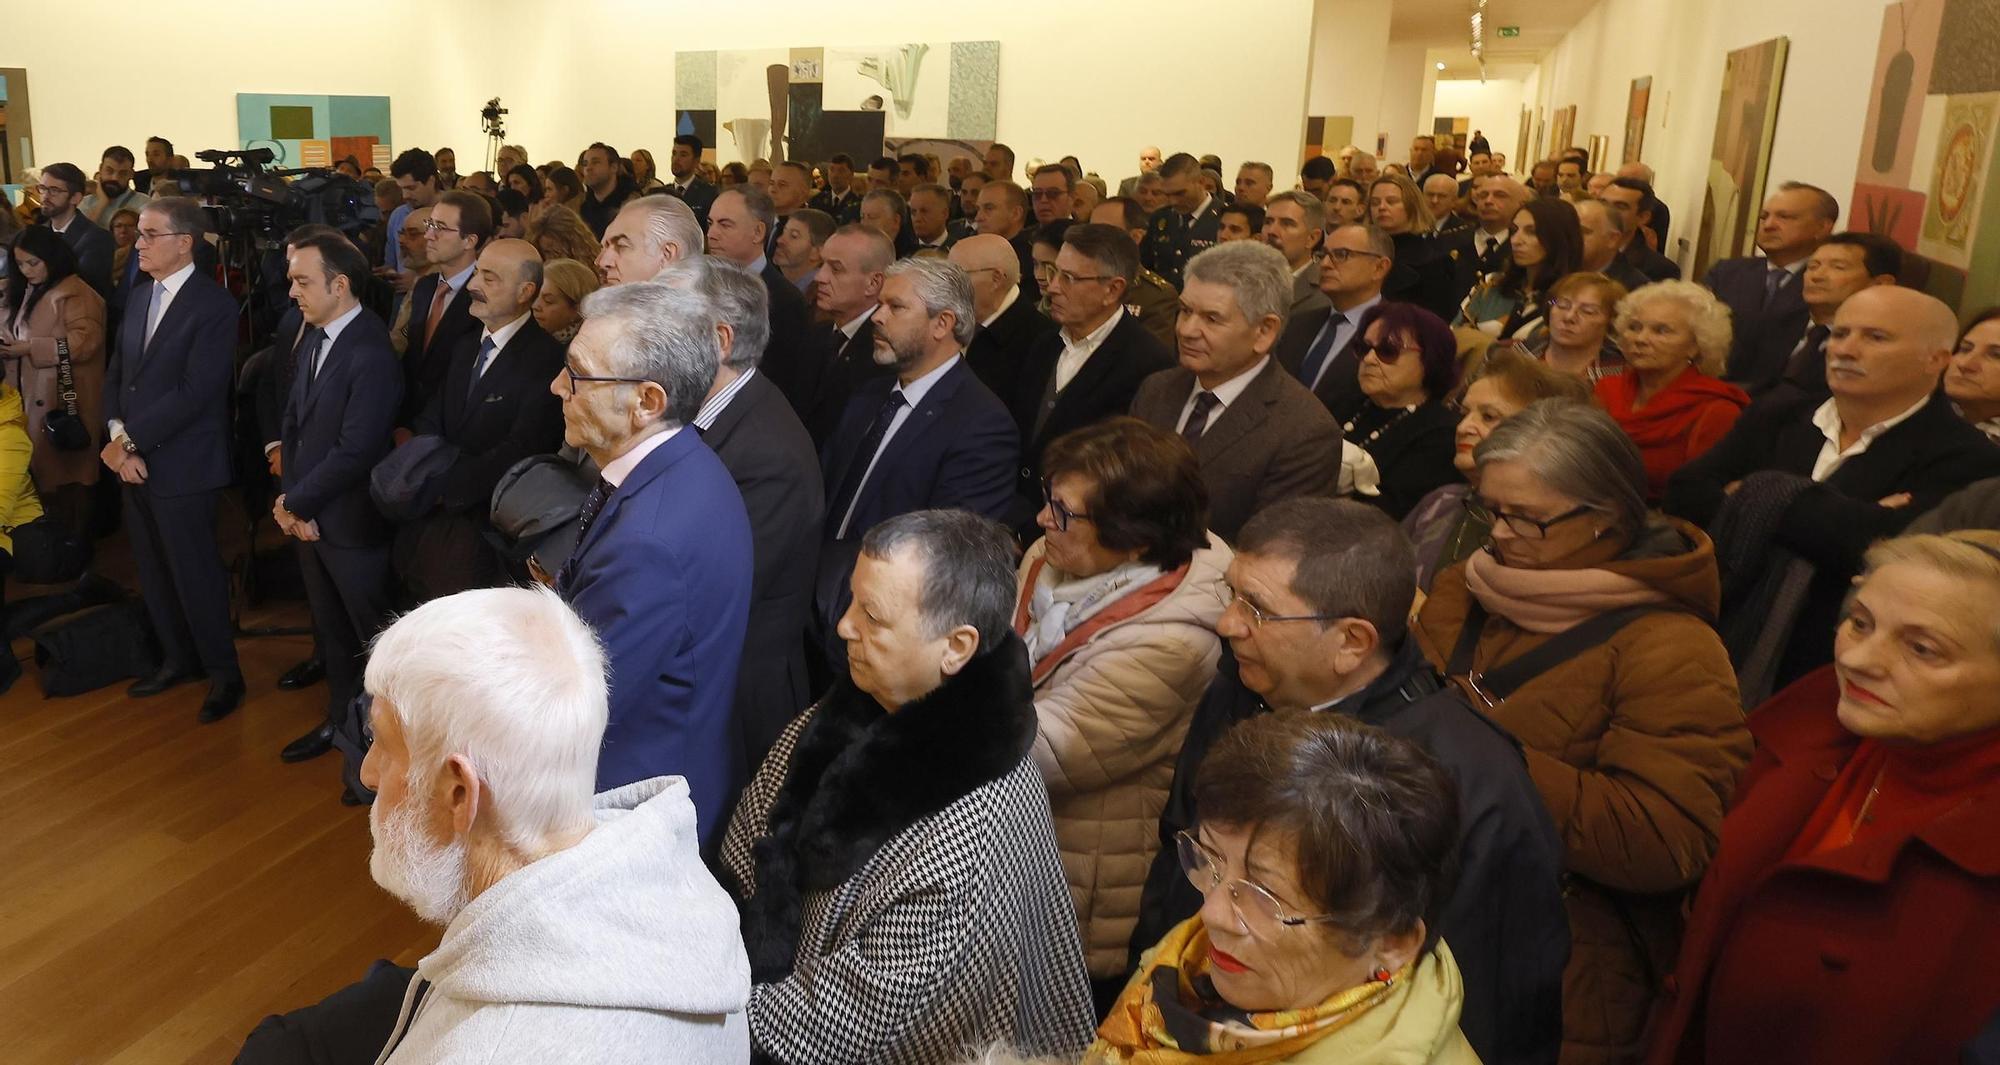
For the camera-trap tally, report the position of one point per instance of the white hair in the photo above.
(669, 221)
(512, 680)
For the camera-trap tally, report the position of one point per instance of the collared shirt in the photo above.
(170, 286)
(333, 330)
(853, 325)
(913, 394)
(450, 287)
(1077, 352)
(757, 268)
(1831, 457)
(622, 466)
(500, 337)
(392, 251)
(713, 406)
(1343, 334)
(1005, 302)
(1484, 242)
(1225, 393)
(64, 228)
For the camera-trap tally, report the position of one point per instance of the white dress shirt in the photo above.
(170, 286)
(499, 337)
(1831, 455)
(913, 394)
(332, 330)
(1077, 352)
(1226, 393)
(853, 325)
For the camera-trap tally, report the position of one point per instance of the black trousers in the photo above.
(348, 1027)
(183, 580)
(347, 590)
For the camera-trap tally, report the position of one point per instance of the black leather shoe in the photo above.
(166, 678)
(304, 675)
(309, 746)
(224, 696)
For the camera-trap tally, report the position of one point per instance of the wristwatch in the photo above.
(130, 447)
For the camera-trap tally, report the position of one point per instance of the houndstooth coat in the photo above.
(903, 901)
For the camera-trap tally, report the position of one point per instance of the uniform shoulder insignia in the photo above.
(1134, 310)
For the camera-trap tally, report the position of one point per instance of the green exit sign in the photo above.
(1510, 31)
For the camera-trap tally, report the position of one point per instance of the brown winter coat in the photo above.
(1635, 745)
(74, 310)
(1114, 700)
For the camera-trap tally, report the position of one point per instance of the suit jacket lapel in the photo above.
(925, 415)
(1242, 416)
(311, 386)
(1101, 365)
(176, 310)
(652, 466)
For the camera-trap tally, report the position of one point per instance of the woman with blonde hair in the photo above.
(561, 234)
(1422, 271)
(1675, 336)
(565, 282)
(645, 172)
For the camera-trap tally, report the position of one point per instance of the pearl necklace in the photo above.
(1347, 427)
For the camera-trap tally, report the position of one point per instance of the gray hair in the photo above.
(1313, 207)
(759, 204)
(1256, 272)
(665, 335)
(1613, 217)
(669, 220)
(969, 564)
(1379, 240)
(1707, 317)
(1575, 449)
(944, 288)
(736, 297)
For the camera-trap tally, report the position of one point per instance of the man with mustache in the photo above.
(114, 188)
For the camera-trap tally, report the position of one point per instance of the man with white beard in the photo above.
(575, 929)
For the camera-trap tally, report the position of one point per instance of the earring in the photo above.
(1382, 976)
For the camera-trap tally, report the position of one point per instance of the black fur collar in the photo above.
(859, 776)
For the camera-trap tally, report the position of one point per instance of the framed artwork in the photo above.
(1600, 151)
(1746, 120)
(316, 130)
(1635, 117)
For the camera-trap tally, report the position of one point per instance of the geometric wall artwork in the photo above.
(316, 130)
(809, 103)
(1746, 120)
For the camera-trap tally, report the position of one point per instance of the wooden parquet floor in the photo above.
(165, 884)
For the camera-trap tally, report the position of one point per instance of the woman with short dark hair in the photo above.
(1117, 604)
(1325, 853)
(1404, 419)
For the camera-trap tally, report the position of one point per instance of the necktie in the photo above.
(857, 466)
(479, 365)
(1774, 282)
(309, 344)
(1799, 367)
(1322, 346)
(438, 300)
(1197, 423)
(153, 310)
(592, 504)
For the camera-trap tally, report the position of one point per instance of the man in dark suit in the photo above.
(440, 307)
(854, 262)
(838, 199)
(930, 436)
(1295, 224)
(166, 402)
(1482, 248)
(1320, 347)
(1259, 435)
(1604, 229)
(1765, 295)
(1885, 448)
(1635, 199)
(662, 569)
(1091, 367)
(1846, 264)
(687, 183)
(930, 217)
(1009, 327)
(790, 190)
(62, 194)
(751, 427)
(496, 409)
(337, 425)
(1003, 212)
(1189, 223)
(740, 223)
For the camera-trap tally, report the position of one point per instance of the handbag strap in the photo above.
(65, 377)
(1493, 686)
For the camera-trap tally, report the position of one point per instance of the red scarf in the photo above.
(1664, 419)
(1895, 790)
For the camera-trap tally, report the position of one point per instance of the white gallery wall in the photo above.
(1099, 80)
(1492, 106)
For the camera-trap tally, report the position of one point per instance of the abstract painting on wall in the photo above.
(1745, 122)
(1959, 176)
(1327, 135)
(316, 130)
(1635, 117)
(811, 103)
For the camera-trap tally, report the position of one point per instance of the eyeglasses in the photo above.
(576, 378)
(1258, 617)
(1339, 256)
(147, 236)
(1586, 310)
(1384, 351)
(1520, 525)
(1069, 279)
(1047, 194)
(1255, 907)
(1058, 510)
(435, 226)
(53, 190)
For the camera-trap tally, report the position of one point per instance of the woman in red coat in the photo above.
(1853, 911)
(1675, 336)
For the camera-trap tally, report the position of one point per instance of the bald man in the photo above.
(1149, 162)
(1885, 448)
(496, 409)
(1009, 325)
(1441, 193)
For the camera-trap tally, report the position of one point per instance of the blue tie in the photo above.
(1322, 346)
(479, 366)
(152, 313)
(857, 469)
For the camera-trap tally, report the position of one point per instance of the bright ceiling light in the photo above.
(1440, 65)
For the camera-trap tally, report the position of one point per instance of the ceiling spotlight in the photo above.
(1440, 65)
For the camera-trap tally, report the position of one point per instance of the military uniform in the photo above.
(1173, 238)
(1156, 305)
(848, 210)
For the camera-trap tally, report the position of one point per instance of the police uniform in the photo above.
(1173, 238)
(849, 209)
(1156, 305)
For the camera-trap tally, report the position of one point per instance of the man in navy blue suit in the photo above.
(336, 427)
(662, 568)
(930, 437)
(166, 404)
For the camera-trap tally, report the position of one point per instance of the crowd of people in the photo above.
(929, 612)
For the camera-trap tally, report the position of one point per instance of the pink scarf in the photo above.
(1551, 600)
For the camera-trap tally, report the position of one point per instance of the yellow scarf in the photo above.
(1196, 1026)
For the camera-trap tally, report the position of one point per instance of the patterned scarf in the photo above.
(1170, 1014)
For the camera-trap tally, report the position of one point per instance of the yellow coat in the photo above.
(19, 504)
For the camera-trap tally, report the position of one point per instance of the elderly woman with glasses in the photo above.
(1857, 892)
(1118, 603)
(1325, 852)
(1675, 336)
(1584, 629)
(1403, 419)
